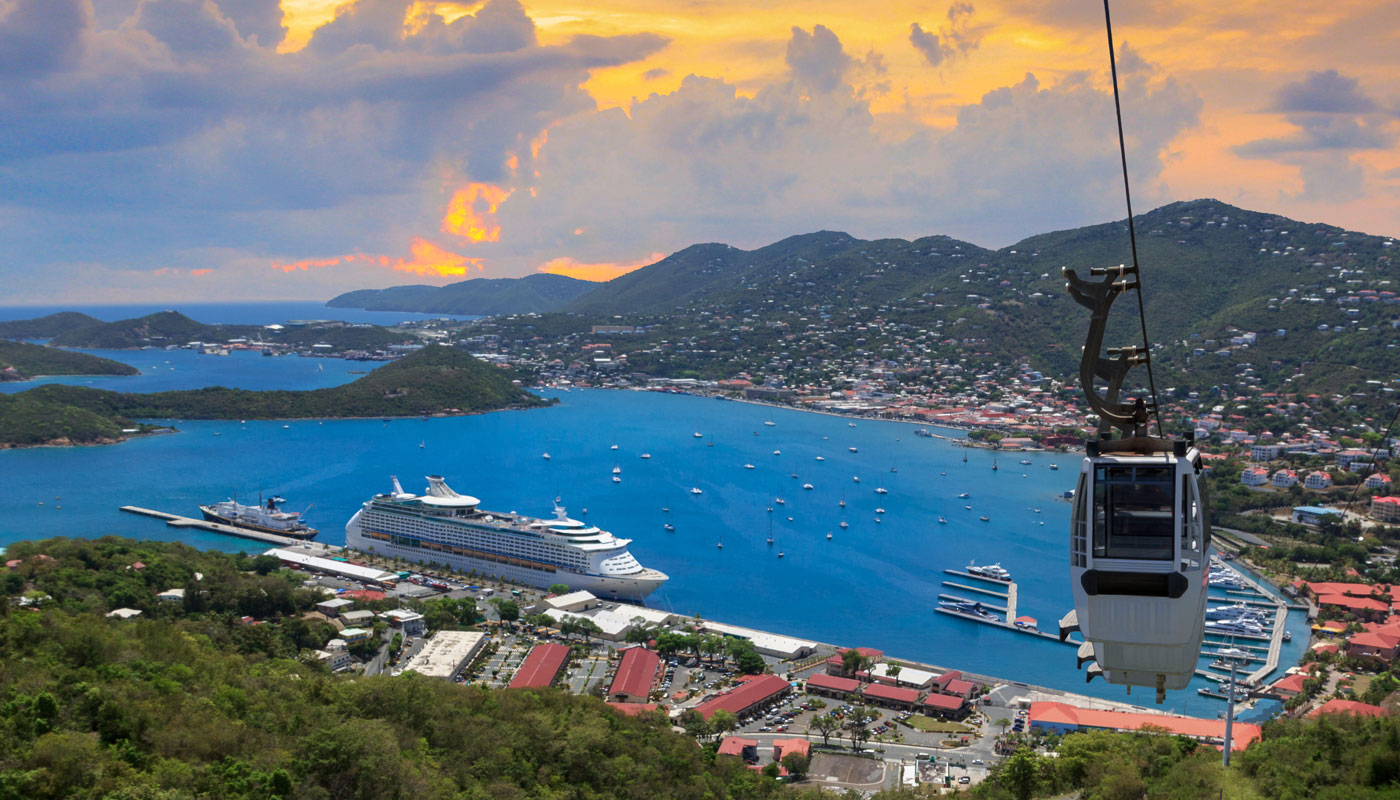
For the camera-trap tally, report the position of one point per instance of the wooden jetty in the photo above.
(177, 521)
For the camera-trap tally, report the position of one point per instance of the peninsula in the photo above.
(432, 380)
(21, 361)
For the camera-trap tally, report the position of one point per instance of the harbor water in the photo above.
(875, 583)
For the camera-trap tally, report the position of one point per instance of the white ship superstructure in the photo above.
(443, 526)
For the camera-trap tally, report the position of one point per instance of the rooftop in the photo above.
(637, 672)
(751, 693)
(444, 654)
(1213, 729)
(540, 667)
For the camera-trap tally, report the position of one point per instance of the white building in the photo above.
(171, 596)
(573, 601)
(907, 676)
(1317, 480)
(1285, 478)
(335, 661)
(316, 564)
(1264, 452)
(332, 608)
(447, 653)
(124, 613)
(768, 644)
(410, 622)
(1254, 476)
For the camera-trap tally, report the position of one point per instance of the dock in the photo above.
(177, 521)
(1008, 626)
(1275, 638)
(956, 599)
(979, 589)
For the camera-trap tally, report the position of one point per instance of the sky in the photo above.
(204, 150)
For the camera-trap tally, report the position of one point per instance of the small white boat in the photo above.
(853, 450)
(881, 490)
(617, 470)
(670, 527)
(614, 447)
(942, 521)
(828, 536)
(821, 458)
(770, 423)
(879, 511)
(695, 490)
(719, 545)
(964, 496)
(748, 466)
(699, 435)
(780, 501)
(545, 456)
(781, 554)
(851, 424)
(844, 525)
(1054, 466)
(777, 452)
(422, 444)
(616, 479)
(855, 478)
(807, 486)
(646, 455)
(284, 427)
(1025, 461)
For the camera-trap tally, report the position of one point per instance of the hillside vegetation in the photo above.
(433, 380)
(45, 327)
(31, 360)
(1208, 269)
(478, 296)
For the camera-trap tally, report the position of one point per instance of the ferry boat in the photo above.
(1234, 626)
(267, 518)
(443, 526)
(993, 572)
(1235, 611)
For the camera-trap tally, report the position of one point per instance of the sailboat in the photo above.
(422, 444)
(964, 456)
(770, 531)
(994, 463)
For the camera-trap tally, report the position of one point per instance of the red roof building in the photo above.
(782, 747)
(835, 665)
(943, 680)
(1381, 644)
(754, 692)
(960, 688)
(635, 677)
(1289, 685)
(364, 594)
(945, 705)
(739, 747)
(1335, 706)
(891, 695)
(1065, 718)
(1366, 607)
(831, 685)
(541, 667)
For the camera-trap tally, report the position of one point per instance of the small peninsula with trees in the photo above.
(431, 381)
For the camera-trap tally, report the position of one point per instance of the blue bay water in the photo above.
(874, 584)
(261, 313)
(162, 370)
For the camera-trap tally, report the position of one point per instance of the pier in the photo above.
(177, 521)
(1275, 637)
(957, 599)
(996, 623)
(967, 588)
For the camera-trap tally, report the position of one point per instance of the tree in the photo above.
(638, 632)
(1020, 773)
(825, 725)
(853, 661)
(559, 588)
(797, 764)
(508, 610)
(695, 723)
(588, 628)
(858, 724)
(751, 663)
(723, 722)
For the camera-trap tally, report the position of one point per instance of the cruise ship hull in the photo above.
(635, 586)
(212, 516)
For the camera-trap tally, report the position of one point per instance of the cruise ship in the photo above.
(443, 526)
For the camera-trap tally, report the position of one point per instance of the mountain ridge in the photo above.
(535, 293)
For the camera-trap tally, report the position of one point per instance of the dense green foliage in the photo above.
(26, 420)
(483, 296)
(1333, 758)
(31, 360)
(45, 327)
(186, 701)
(358, 337)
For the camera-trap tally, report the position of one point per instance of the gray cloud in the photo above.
(41, 36)
(953, 39)
(817, 60)
(1327, 92)
(256, 18)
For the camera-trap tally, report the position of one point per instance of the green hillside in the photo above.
(478, 296)
(45, 327)
(433, 380)
(158, 329)
(1210, 271)
(26, 421)
(30, 360)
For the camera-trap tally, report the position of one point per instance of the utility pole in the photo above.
(1233, 658)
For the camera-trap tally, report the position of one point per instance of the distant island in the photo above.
(21, 361)
(532, 294)
(433, 380)
(173, 329)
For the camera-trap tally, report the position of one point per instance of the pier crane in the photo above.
(1139, 526)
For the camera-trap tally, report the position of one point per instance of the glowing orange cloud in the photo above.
(472, 212)
(604, 271)
(200, 272)
(429, 259)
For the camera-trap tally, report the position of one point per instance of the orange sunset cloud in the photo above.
(601, 271)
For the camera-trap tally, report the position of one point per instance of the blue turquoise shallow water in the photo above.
(873, 584)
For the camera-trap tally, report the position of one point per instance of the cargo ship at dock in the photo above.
(264, 518)
(445, 527)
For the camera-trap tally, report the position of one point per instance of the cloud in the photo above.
(654, 73)
(1333, 120)
(256, 19)
(41, 36)
(600, 271)
(953, 39)
(817, 60)
(1327, 92)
